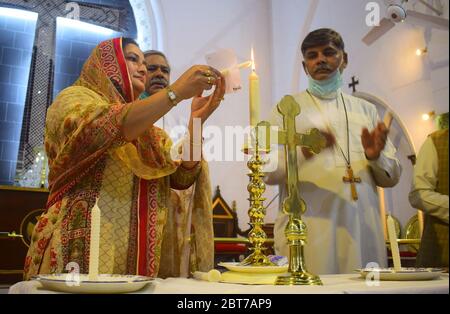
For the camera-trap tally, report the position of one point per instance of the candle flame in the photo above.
(253, 60)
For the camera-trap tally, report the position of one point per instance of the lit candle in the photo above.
(393, 242)
(95, 242)
(254, 95)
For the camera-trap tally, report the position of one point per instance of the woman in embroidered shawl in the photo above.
(102, 144)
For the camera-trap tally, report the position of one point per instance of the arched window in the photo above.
(43, 46)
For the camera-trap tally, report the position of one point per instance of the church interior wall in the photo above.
(388, 69)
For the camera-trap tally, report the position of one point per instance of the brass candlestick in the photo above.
(257, 212)
(293, 205)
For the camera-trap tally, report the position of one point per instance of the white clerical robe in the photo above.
(343, 234)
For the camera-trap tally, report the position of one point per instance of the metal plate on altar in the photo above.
(405, 274)
(237, 267)
(105, 283)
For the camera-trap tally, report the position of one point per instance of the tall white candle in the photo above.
(382, 204)
(254, 95)
(388, 116)
(393, 243)
(95, 242)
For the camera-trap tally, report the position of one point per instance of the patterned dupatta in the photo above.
(105, 75)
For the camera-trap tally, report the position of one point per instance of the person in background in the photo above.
(429, 193)
(339, 184)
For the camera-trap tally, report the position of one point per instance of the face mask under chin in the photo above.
(326, 88)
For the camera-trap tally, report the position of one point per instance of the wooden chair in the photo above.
(230, 242)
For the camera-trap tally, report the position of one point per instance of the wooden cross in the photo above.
(314, 140)
(350, 178)
(353, 84)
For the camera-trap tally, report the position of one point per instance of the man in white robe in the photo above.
(344, 233)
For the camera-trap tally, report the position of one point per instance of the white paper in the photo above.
(225, 59)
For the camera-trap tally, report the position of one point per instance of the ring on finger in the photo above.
(209, 80)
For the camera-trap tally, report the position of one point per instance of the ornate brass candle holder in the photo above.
(256, 188)
(293, 205)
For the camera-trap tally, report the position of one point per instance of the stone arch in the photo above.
(149, 24)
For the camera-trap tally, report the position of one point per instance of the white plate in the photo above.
(405, 274)
(104, 284)
(254, 269)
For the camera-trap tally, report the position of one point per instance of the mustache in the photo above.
(322, 68)
(159, 80)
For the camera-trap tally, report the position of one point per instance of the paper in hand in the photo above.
(225, 59)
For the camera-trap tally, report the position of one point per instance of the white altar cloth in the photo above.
(332, 284)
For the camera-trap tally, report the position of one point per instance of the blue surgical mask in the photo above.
(326, 87)
(144, 95)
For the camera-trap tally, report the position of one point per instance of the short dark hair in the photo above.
(127, 40)
(321, 37)
(157, 53)
(154, 52)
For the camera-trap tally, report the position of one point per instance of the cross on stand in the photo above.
(350, 178)
(353, 84)
(314, 140)
(294, 205)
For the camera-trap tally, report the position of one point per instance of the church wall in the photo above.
(389, 68)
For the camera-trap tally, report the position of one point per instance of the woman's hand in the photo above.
(194, 81)
(203, 107)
